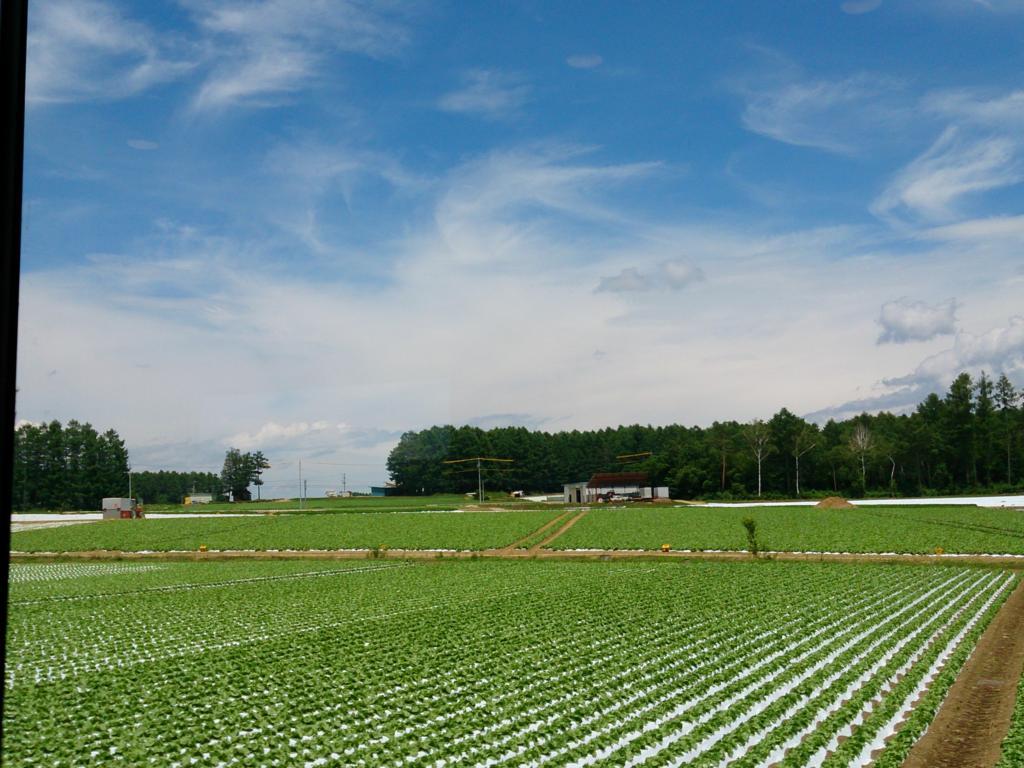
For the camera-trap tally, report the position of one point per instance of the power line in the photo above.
(479, 471)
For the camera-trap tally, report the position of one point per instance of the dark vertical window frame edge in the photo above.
(13, 36)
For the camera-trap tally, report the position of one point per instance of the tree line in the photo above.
(67, 467)
(971, 439)
(167, 487)
(73, 467)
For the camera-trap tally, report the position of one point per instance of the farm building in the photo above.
(388, 489)
(603, 485)
(199, 498)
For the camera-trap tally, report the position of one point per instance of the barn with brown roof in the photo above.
(603, 486)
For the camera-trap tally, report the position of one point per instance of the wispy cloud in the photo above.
(835, 115)
(315, 164)
(989, 229)
(977, 106)
(954, 166)
(584, 61)
(672, 275)
(904, 320)
(143, 144)
(272, 433)
(515, 206)
(84, 50)
(487, 93)
(262, 52)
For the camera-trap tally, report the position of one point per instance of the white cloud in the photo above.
(487, 93)
(984, 230)
(978, 107)
(832, 115)
(584, 61)
(258, 79)
(262, 52)
(239, 343)
(954, 167)
(999, 350)
(273, 433)
(678, 274)
(628, 280)
(501, 208)
(143, 144)
(904, 320)
(83, 50)
(673, 275)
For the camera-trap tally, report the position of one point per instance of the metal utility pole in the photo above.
(300, 483)
(130, 484)
(305, 486)
(344, 488)
(479, 471)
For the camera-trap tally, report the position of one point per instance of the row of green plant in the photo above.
(1013, 744)
(395, 530)
(495, 662)
(905, 529)
(922, 530)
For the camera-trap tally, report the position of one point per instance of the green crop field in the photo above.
(351, 504)
(802, 529)
(398, 530)
(487, 662)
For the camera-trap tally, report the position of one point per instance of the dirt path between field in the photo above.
(972, 722)
(519, 542)
(536, 548)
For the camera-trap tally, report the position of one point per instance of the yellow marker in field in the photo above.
(202, 547)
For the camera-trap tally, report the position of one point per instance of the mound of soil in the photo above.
(834, 502)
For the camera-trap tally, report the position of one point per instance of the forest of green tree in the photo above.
(67, 467)
(970, 440)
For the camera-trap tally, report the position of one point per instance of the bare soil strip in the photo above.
(972, 722)
(1014, 563)
(16, 527)
(536, 548)
(553, 521)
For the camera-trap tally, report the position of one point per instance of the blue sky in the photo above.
(306, 227)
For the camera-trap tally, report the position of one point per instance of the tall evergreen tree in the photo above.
(1006, 398)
